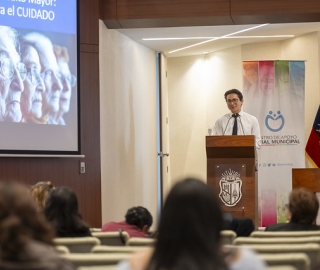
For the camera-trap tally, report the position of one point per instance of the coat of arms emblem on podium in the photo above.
(230, 188)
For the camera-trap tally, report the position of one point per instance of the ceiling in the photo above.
(225, 36)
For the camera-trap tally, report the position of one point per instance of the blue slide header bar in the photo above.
(43, 15)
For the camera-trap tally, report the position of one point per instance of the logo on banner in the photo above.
(230, 188)
(274, 122)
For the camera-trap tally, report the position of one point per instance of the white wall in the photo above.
(197, 84)
(196, 88)
(127, 125)
(195, 91)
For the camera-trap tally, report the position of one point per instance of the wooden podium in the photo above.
(308, 178)
(231, 173)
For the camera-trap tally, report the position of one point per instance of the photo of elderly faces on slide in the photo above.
(37, 76)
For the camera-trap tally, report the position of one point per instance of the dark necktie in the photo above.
(235, 125)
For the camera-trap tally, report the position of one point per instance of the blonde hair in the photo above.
(40, 192)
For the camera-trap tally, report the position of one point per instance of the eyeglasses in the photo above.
(34, 76)
(7, 68)
(230, 101)
(49, 74)
(71, 79)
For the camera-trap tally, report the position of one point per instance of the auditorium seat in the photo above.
(78, 244)
(137, 241)
(276, 240)
(116, 249)
(298, 260)
(112, 238)
(281, 267)
(62, 249)
(91, 259)
(109, 267)
(311, 250)
(285, 234)
(227, 237)
(95, 230)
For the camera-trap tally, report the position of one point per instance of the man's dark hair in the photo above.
(139, 216)
(233, 91)
(303, 206)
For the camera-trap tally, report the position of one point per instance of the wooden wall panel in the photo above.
(88, 20)
(90, 135)
(66, 171)
(274, 11)
(108, 10)
(176, 13)
(169, 13)
(307, 178)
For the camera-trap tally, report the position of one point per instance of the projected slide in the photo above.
(38, 75)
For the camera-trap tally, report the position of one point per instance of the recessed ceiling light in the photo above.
(213, 39)
(271, 36)
(191, 38)
(181, 38)
(205, 52)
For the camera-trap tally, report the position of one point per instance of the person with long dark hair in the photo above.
(189, 230)
(189, 235)
(26, 241)
(61, 210)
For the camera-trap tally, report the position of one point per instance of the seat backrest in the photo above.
(116, 249)
(227, 237)
(137, 241)
(279, 267)
(92, 259)
(95, 230)
(108, 267)
(276, 240)
(112, 238)
(62, 249)
(78, 244)
(311, 250)
(285, 234)
(298, 260)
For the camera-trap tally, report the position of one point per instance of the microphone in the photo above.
(241, 124)
(226, 125)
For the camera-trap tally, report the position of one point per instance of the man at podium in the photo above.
(237, 122)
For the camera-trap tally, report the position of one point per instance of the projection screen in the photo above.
(38, 77)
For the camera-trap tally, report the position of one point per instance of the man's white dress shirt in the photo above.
(247, 125)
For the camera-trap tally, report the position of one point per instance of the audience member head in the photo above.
(40, 192)
(140, 217)
(189, 229)
(303, 206)
(20, 221)
(61, 210)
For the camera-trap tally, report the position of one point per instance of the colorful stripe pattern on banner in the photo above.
(274, 93)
